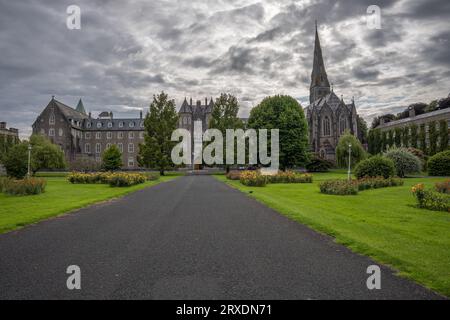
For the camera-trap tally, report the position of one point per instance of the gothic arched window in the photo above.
(326, 126)
(342, 124)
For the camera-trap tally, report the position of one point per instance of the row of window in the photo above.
(185, 120)
(98, 147)
(131, 124)
(98, 135)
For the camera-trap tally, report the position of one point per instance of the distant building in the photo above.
(80, 135)
(10, 135)
(328, 115)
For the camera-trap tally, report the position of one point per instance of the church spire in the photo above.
(80, 107)
(320, 85)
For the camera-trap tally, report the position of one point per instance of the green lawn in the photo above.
(383, 224)
(60, 197)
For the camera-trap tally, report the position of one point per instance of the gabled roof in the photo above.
(67, 111)
(185, 108)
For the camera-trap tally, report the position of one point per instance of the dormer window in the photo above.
(142, 124)
(110, 124)
(121, 124)
(88, 125)
(131, 125)
(99, 124)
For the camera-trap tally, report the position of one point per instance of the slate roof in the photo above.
(67, 111)
(80, 107)
(114, 124)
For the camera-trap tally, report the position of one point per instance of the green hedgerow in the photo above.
(439, 164)
(376, 166)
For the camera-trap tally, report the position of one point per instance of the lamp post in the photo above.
(349, 172)
(29, 160)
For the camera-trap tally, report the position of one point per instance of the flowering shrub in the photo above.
(152, 176)
(404, 161)
(23, 187)
(290, 177)
(126, 179)
(233, 175)
(345, 187)
(443, 187)
(339, 187)
(118, 179)
(431, 200)
(252, 179)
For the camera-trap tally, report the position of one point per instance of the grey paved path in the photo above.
(191, 238)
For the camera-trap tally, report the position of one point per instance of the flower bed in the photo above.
(252, 179)
(290, 177)
(352, 187)
(443, 187)
(233, 175)
(431, 200)
(119, 179)
(25, 187)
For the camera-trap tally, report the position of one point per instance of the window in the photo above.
(181, 121)
(99, 124)
(60, 132)
(87, 148)
(98, 135)
(108, 145)
(88, 125)
(110, 125)
(326, 126)
(109, 135)
(141, 135)
(51, 132)
(185, 120)
(43, 131)
(52, 119)
(131, 124)
(342, 124)
(87, 135)
(130, 148)
(189, 120)
(98, 148)
(142, 124)
(130, 162)
(120, 135)
(130, 135)
(121, 124)
(120, 146)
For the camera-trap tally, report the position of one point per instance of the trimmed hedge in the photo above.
(439, 164)
(376, 166)
(290, 177)
(317, 164)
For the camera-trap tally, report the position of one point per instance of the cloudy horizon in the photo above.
(125, 53)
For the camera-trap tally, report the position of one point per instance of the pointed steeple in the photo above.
(80, 107)
(320, 86)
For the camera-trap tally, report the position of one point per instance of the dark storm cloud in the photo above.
(126, 52)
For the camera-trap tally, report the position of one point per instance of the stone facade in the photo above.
(328, 115)
(80, 135)
(10, 135)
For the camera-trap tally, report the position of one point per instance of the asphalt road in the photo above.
(190, 238)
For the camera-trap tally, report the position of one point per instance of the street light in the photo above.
(29, 160)
(349, 172)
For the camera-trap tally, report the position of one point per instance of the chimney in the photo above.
(140, 114)
(111, 115)
(206, 101)
(90, 115)
(412, 112)
(191, 102)
(2, 125)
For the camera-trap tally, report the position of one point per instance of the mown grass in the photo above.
(60, 197)
(383, 223)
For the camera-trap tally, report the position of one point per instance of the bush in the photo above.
(439, 164)
(126, 179)
(443, 187)
(404, 161)
(3, 182)
(290, 177)
(376, 166)
(345, 187)
(339, 187)
(317, 164)
(153, 176)
(253, 179)
(233, 175)
(25, 187)
(428, 199)
(113, 179)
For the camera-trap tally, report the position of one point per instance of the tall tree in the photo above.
(112, 159)
(357, 150)
(286, 114)
(224, 116)
(159, 124)
(362, 130)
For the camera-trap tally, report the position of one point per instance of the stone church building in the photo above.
(328, 115)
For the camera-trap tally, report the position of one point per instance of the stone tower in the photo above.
(320, 86)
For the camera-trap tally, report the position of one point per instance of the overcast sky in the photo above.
(126, 51)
